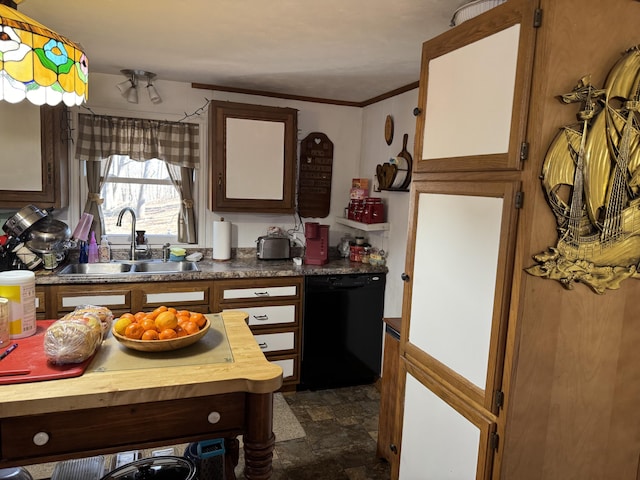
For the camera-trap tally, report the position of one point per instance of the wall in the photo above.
(376, 151)
(359, 145)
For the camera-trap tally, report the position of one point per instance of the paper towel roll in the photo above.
(221, 240)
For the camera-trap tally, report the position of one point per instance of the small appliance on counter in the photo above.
(317, 238)
(273, 247)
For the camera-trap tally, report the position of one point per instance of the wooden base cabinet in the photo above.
(387, 445)
(274, 306)
(505, 375)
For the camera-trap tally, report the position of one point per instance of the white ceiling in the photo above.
(348, 50)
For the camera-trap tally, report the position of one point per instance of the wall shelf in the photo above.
(367, 227)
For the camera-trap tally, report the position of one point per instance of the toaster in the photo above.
(271, 247)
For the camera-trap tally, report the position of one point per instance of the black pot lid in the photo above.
(155, 468)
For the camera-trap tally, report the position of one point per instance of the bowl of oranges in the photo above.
(161, 330)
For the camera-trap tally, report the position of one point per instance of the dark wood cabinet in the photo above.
(53, 190)
(253, 158)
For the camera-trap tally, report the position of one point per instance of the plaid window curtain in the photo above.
(176, 143)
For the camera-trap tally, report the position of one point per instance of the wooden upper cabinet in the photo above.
(474, 91)
(253, 158)
(35, 155)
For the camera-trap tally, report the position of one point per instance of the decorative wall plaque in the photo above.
(591, 178)
(316, 165)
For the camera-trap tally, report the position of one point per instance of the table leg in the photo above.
(258, 438)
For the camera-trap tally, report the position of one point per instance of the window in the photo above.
(144, 186)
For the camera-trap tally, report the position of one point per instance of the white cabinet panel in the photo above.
(272, 342)
(287, 365)
(457, 243)
(270, 315)
(260, 292)
(438, 443)
(472, 82)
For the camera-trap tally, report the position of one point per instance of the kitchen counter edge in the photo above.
(211, 270)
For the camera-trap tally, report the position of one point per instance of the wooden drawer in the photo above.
(68, 298)
(270, 315)
(85, 430)
(276, 342)
(289, 365)
(176, 295)
(259, 291)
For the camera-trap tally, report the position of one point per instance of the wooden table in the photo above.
(107, 412)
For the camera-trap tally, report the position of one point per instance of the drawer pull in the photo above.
(41, 438)
(263, 345)
(262, 318)
(262, 294)
(214, 417)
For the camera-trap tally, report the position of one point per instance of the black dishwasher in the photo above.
(342, 330)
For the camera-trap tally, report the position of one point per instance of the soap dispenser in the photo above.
(93, 249)
(104, 251)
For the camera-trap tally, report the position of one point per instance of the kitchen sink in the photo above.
(128, 268)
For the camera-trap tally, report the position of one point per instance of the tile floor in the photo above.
(341, 428)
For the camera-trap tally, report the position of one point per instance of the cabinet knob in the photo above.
(393, 448)
(405, 277)
(416, 112)
(41, 438)
(214, 417)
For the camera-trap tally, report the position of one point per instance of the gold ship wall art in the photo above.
(591, 178)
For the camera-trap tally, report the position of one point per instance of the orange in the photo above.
(190, 327)
(121, 325)
(139, 316)
(198, 318)
(167, 333)
(166, 320)
(184, 313)
(180, 331)
(128, 315)
(148, 324)
(172, 310)
(150, 335)
(134, 331)
(182, 318)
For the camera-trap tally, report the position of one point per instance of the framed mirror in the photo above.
(34, 155)
(253, 158)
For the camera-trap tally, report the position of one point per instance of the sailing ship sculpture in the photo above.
(591, 178)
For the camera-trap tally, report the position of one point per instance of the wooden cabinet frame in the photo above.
(220, 113)
(55, 160)
(518, 12)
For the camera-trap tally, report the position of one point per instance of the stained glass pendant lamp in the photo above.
(37, 64)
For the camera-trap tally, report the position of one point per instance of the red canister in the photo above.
(373, 211)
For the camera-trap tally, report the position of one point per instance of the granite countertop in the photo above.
(241, 267)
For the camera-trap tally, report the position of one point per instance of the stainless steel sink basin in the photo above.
(96, 269)
(128, 268)
(165, 267)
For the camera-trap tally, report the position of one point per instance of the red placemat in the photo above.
(29, 356)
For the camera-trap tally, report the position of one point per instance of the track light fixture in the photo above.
(129, 88)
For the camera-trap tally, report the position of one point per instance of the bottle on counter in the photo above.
(104, 251)
(83, 257)
(92, 254)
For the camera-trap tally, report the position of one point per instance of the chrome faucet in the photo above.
(132, 252)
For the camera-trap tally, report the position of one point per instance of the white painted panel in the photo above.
(437, 442)
(104, 300)
(287, 366)
(270, 315)
(262, 292)
(255, 159)
(272, 342)
(21, 147)
(170, 297)
(470, 98)
(454, 276)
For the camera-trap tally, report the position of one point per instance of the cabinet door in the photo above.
(253, 149)
(442, 439)
(474, 92)
(456, 301)
(35, 155)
